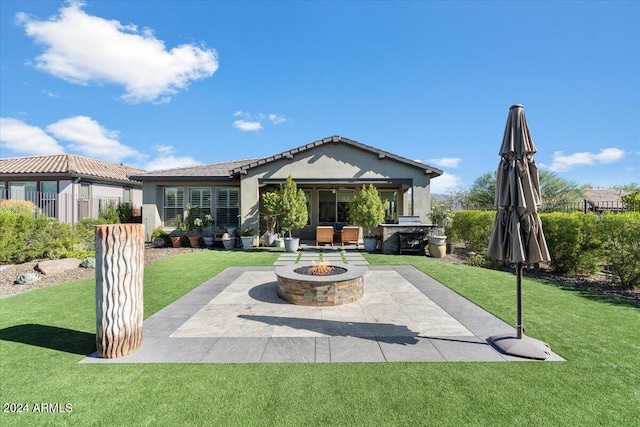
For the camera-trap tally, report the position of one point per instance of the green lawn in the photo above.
(45, 333)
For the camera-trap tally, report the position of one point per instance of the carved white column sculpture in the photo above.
(119, 277)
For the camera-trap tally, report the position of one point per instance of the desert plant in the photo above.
(18, 206)
(109, 214)
(88, 263)
(27, 279)
(246, 232)
(367, 209)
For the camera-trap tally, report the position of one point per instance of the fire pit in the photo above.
(321, 284)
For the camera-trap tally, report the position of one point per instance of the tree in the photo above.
(367, 209)
(553, 190)
(293, 206)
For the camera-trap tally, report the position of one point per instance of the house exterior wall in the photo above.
(337, 162)
(153, 198)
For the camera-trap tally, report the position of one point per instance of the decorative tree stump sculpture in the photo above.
(119, 276)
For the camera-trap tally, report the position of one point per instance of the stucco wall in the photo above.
(334, 162)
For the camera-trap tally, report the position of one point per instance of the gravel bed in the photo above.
(11, 272)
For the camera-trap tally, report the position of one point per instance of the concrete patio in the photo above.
(236, 317)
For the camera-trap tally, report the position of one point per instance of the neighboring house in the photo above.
(69, 187)
(600, 200)
(330, 171)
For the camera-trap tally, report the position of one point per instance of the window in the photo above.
(334, 205)
(201, 197)
(173, 204)
(3, 193)
(23, 191)
(126, 196)
(85, 207)
(390, 200)
(48, 197)
(227, 207)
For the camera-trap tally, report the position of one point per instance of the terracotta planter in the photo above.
(194, 241)
(176, 241)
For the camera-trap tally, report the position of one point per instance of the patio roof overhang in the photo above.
(338, 181)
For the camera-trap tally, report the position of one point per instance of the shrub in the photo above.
(478, 260)
(125, 213)
(24, 237)
(18, 206)
(621, 236)
(573, 242)
(473, 228)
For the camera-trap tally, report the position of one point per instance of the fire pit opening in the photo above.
(320, 285)
(320, 269)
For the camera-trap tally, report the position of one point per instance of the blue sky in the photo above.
(167, 84)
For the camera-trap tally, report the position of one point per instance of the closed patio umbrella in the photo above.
(517, 231)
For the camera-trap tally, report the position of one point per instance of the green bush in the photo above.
(24, 237)
(109, 214)
(621, 236)
(473, 228)
(573, 241)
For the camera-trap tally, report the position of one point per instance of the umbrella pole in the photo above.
(519, 344)
(519, 327)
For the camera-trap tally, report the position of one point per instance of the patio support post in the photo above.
(119, 280)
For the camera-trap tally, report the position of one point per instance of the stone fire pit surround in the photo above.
(329, 290)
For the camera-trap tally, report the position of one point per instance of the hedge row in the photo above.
(578, 243)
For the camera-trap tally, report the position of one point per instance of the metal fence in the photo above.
(63, 207)
(584, 206)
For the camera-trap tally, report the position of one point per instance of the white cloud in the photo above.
(562, 162)
(446, 162)
(253, 122)
(444, 183)
(277, 119)
(247, 126)
(83, 49)
(26, 139)
(166, 159)
(88, 137)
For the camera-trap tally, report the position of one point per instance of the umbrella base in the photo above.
(527, 347)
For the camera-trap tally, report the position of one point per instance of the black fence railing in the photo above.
(67, 208)
(584, 206)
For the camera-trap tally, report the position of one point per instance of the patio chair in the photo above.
(324, 234)
(350, 234)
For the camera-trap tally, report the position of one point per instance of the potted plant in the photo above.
(271, 204)
(160, 238)
(246, 234)
(292, 212)
(367, 210)
(228, 240)
(207, 236)
(179, 232)
(440, 216)
(194, 225)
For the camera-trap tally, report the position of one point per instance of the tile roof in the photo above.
(595, 195)
(213, 170)
(230, 169)
(67, 165)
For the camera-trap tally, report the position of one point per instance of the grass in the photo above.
(44, 333)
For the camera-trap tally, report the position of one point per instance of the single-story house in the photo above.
(329, 170)
(599, 200)
(69, 187)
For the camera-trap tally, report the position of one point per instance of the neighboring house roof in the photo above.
(605, 198)
(67, 166)
(234, 168)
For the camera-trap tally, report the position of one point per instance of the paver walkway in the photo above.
(335, 254)
(236, 317)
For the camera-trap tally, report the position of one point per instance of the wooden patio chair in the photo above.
(324, 234)
(350, 234)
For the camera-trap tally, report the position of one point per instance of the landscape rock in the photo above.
(57, 266)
